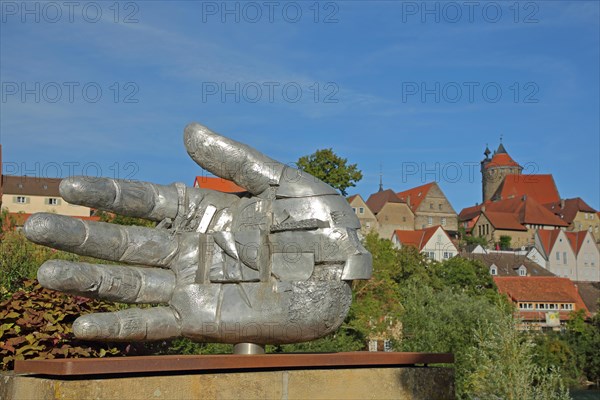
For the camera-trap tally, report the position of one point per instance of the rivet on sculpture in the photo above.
(270, 265)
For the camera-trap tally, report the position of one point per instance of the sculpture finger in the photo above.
(157, 323)
(131, 198)
(129, 244)
(248, 167)
(231, 160)
(108, 282)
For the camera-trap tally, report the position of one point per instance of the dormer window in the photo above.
(493, 270)
(522, 271)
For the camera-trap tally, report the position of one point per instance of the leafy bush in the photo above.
(36, 323)
(20, 259)
(343, 340)
(500, 365)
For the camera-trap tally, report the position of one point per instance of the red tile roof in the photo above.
(504, 220)
(548, 238)
(218, 184)
(539, 187)
(501, 160)
(576, 239)
(525, 211)
(418, 238)
(471, 223)
(413, 197)
(567, 209)
(468, 213)
(376, 201)
(540, 289)
(532, 212)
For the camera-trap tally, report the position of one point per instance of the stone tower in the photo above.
(495, 169)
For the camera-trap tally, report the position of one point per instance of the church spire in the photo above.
(501, 149)
(380, 178)
(487, 152)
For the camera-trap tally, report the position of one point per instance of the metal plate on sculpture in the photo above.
(200, 363)
(293, 266)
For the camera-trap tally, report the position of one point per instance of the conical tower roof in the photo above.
(501, 159)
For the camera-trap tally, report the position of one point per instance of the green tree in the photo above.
(331, 168)
(584, 338)
(376, 302)
(499, 365)
(552, 350)
(467, 276)
(493, 360)
(505, 242)
(414, 266)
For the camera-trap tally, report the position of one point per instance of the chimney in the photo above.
(408, 200)
(562, 204)
(483, 208)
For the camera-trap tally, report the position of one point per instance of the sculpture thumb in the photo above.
(231, 160)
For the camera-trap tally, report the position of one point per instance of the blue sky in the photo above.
(416, 89)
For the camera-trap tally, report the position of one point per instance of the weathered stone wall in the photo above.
(352, 383)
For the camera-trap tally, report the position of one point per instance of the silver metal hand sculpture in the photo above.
(271, 265)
